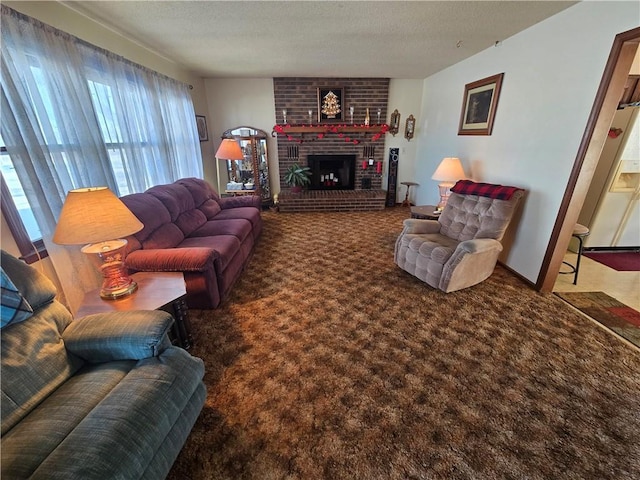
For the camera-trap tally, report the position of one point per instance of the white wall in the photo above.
(406, 97)
(235, 102)
(551, 73)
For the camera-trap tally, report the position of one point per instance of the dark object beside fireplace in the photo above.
(332, 172)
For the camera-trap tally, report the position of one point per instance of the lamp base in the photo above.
(444, 189)
(109, 256)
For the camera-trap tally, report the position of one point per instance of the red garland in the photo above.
(281, 129)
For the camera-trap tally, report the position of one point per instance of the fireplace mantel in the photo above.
(287, 129)
(300, 134)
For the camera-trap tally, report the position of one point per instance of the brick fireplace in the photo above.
(300, 95)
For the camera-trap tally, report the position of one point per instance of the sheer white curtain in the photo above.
(74, 115)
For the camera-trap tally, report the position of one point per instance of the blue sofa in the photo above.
(105, 396)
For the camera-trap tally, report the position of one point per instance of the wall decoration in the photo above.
(614, 132)
(330, 104)
(394, 124)
(479, 106)
(203, 132)
(392, 184)
(409, 127)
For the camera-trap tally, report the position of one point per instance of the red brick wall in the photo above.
(332, 201)
(299, 95)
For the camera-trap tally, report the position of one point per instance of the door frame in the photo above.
(604, 107)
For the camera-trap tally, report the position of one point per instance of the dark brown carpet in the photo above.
(329, 362)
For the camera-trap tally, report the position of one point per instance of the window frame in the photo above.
(30, 251)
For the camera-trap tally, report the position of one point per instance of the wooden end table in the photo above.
(406, 202)
(427, 212)
(156, 291)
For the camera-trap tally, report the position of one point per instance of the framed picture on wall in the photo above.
(201, 123)
(479, 106)
(330, 107)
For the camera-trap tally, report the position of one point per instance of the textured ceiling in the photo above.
(396, 39)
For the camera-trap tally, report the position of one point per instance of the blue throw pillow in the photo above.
(15, 307)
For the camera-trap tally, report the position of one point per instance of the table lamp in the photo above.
(96, 218)
(229, 149)
(448, 173)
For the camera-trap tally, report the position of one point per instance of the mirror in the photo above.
(249, 176)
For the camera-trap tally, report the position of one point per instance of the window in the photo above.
(17, 211)
(79, 116)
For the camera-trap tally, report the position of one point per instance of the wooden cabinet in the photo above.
(251, 174)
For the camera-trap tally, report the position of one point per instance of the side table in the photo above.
(406, 202)
(156, 291)
(427, 212)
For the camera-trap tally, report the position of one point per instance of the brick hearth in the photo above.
(298, 96)
(331, 200)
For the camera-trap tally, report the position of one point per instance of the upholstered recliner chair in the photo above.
(461, 248)
(104, 396)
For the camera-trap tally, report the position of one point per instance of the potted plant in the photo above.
(297, 177)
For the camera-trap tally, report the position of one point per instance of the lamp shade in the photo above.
(229, 149)
(91, 215)
(449, 170)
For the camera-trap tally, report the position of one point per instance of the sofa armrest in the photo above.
(243, 201)
(479, 245)
(132, 335)
(472, 262)
(419, 226)
(195, 259)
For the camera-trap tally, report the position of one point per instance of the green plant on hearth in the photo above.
(297, 176)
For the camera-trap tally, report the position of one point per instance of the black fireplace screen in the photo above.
(332, 172)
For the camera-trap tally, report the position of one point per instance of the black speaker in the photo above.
(393, 177)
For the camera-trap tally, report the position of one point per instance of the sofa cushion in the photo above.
(35, 287)
(175, 197)
(238, 227)
(34, 361)
(470, 216)
(57, 416)
(127, 335)
(15, 307)
(149, 210)
(199, 189)
(248, 213)
(167, 236)
(210, 208)
(190, 220)
(225, 246)
(123, 410)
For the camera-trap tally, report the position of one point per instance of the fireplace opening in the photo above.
(332, 172)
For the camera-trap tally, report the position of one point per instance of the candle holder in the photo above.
(310, 117)
(351, 110)
(379, 113)
(284, 115)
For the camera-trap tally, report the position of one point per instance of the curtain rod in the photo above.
(5, 10)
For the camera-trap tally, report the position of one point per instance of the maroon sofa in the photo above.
(189, 228)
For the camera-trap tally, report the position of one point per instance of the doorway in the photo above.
(609, 92)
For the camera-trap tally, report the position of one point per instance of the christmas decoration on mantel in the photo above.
(320, 131)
